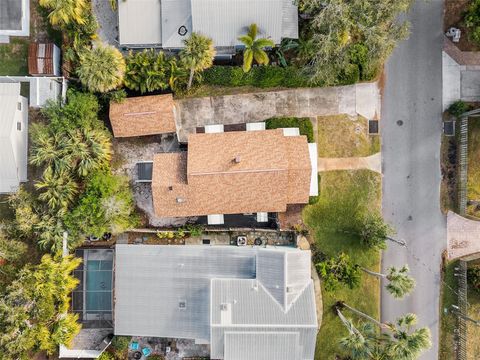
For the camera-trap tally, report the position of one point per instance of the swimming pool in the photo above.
(92, 299)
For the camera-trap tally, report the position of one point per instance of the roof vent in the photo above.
(182, 304)
(288, 289)
(180, 200)
(170, 188)
(237, 159)
(224, 307)
(182, 30)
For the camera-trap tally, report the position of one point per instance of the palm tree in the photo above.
(63, 12)
(197, 55)
(88, 150)
(399, 282)
(408, 344)
(254, 48)
(147, 71)
(59, 189)
(102, 68)
(396, 342)
(48, 148)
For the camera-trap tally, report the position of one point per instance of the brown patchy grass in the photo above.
(473, 178)
(448, 321)
(344, 136)
(13, 57)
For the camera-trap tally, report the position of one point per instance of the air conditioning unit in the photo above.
(241, 240)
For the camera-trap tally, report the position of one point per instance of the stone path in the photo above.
(303, 244)
(363, 99)
(373, 162)
(463, 236)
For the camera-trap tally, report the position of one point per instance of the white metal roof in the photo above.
(313, 152)
(139, 22)
(13, 137)
(210, 293)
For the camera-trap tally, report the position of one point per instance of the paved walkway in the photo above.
(373, 162)
(463, 236)
(461, 74)
(363, 99)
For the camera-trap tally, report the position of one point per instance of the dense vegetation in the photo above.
(472, 20)
(304, 125)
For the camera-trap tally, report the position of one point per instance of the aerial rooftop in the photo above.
(143, 115)
(233, 173)
(228, 297)
(14, 17)
(167, 23)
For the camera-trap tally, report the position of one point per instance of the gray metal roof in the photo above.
(211, 293)
(149, 22)
(13, 137)
(262, 345)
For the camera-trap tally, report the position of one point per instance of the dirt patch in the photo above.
(454, 13)
(292, 218)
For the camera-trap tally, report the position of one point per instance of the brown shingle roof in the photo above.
(144, 115)
(271, 171)
(40, 59)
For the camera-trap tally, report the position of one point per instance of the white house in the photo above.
(13, 137)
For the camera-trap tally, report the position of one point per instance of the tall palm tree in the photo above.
(254, 48)
(396, 342)
(399, 284)
(48, 148)
(58, 189)
(408, 344)
(102, 68)
(197, 55)
(63, 12)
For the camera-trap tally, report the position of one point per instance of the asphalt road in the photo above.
(411, 132)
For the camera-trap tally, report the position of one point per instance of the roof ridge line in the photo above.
(235, 172)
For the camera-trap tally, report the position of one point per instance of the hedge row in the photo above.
(303, 124)
(259, 76)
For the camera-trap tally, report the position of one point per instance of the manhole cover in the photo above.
(137, 355)
(400, 122)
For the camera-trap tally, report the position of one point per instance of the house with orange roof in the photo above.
(240, 172)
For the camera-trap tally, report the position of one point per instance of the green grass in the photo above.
(342, 193)
(344, 136)
(448, 320)
(473, 179)
(304, 125)
(473, 331)
(13, 57)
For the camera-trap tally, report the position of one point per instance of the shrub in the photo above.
(303, 124)
(472, 20)
(120, 346)
(147, 71)
(106, 356)
(458, 108)
(156, 357)
(473, 277)
(259, 76)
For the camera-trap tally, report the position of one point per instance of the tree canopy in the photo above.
(197, 54)
(34, 309)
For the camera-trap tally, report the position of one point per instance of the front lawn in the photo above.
(13, 57)
(473, 331)
(473, 179)
(345, 136)
(304, 125)
(448, 321)
(342, 193)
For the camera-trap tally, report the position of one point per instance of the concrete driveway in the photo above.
(363, 99)
(463, 236)
(411, 130)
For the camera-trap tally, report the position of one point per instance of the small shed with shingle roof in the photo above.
(143, 115)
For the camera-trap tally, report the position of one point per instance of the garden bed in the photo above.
(341, 192)
(454, 13)
(345, 136)
(473, 178)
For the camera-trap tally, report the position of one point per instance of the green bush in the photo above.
(259, 76)
(147, 71)
(303, 124)
(472, 20)
(156, 357)
(458, 108)
(106, 356)
(473, 277)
